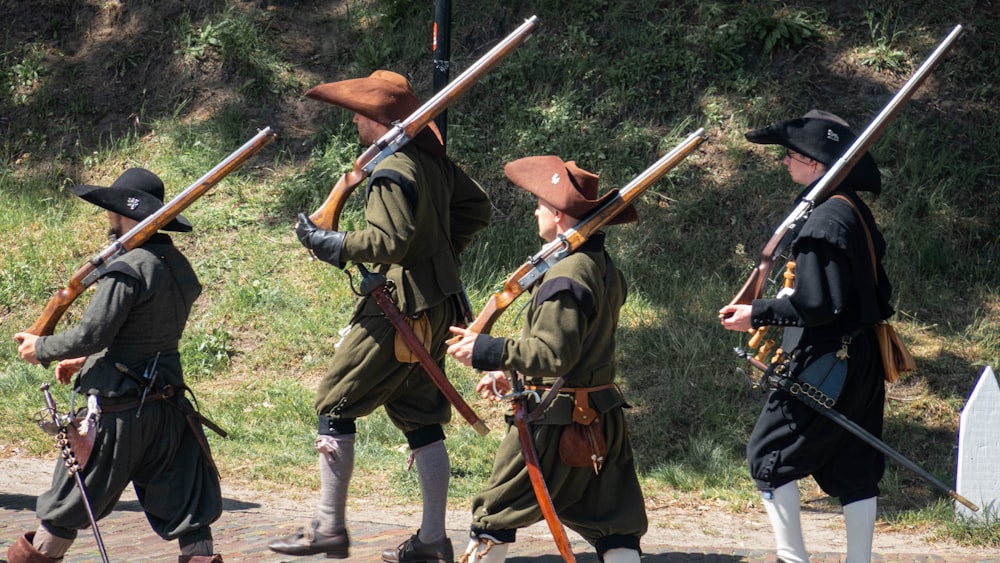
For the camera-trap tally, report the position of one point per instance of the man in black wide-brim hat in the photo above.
(127, 340)
(840, 294)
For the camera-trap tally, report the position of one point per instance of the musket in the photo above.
(755, 284)
(62, 423)
(529, 273)
(328, 214)
(518, 398)
(527, 276)
(90, 272)
(792, 387)
(375, 285)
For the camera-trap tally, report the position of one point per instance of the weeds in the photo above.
(611, 85)
(882, 55)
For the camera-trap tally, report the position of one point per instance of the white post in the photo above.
(978, 477)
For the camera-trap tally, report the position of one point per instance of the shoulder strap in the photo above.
(868, 233)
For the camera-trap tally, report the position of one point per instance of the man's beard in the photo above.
(113, 234)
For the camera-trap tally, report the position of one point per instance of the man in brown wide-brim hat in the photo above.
(131, 327)
(569, 335)
(421, 212)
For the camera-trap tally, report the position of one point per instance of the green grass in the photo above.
(610, 85)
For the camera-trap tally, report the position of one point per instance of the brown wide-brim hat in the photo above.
(384, 96)
(136, 194)
(824, 137)
(564, 186)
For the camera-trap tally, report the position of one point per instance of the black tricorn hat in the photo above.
(824, 137)
(136, 194)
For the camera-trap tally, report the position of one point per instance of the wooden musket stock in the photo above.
(531, 271)
(328, 214)
(754, 286)
(89, 273)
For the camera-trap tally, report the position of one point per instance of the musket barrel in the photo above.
(88, 274)
(874, 130)
(754, 286)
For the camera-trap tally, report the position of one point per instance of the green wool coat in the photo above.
(421, 212)
(569, 332)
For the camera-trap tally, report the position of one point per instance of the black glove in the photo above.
(324, 244)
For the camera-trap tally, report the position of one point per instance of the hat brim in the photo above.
(627, 215)
(129, 202)
(548, 178)
(375, 99)
(864, 175)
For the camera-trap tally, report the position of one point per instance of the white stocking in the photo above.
(859, 518)
(495, 553)
(783, 512)
(621, 555)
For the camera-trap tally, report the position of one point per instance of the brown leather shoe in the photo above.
(308, 541)
(415, 551)
(216, 558)
(22, 551)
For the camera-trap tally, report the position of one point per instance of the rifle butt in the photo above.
(328, 215)
(54, 310)
(752, 288)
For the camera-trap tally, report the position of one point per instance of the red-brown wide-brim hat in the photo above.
(564, 186)
(136, 194)
(384, 96)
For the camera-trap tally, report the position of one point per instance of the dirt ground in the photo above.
(708, 527)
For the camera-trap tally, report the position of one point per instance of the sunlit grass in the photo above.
(587, 87)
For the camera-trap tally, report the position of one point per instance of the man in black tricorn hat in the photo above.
(840, 294)
(124, 353)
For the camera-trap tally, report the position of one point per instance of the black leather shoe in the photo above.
(415, 551)
(308, 541)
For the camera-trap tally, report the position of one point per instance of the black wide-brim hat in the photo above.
(136, 194)
(824, 137)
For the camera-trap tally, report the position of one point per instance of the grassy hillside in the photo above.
(89, 88)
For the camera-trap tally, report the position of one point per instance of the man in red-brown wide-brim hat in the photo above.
(568, 340)
(421, 212)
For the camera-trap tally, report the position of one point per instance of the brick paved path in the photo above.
(247, 526)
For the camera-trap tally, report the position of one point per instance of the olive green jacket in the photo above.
(421, 212)
(569, 331)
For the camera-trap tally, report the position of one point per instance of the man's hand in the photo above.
(735, 317)
(26, 346)
(461, 349)
(493, 385)
(66, 369)
(324, 244)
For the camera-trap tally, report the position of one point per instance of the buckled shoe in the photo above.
(308, 541)
(22, 551)
(414, 551)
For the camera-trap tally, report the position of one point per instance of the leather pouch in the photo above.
(895, 357)
(583, 445)
(421, 327)
(80, 444)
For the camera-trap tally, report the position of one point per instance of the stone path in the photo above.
(252, 519)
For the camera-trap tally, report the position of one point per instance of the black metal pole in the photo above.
(442, 62)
